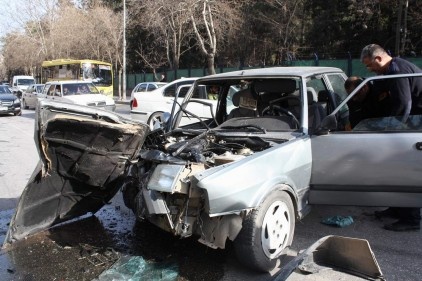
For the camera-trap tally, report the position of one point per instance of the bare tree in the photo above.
(64, 32)
(169, 22)
(19, 53)
(212, 21)
(153, 54)
(284, 21)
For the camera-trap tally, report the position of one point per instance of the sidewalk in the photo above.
(117, 100)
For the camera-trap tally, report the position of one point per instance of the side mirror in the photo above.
(327, 124)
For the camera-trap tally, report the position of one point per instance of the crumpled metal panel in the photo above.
(84, 153)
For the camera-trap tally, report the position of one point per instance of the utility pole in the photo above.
(124, 50)
(401, 28)
(404, 31)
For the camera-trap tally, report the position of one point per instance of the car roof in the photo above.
(158, 83)
(184, 79)
(69, 82)
(299, 71)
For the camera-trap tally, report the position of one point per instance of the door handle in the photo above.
(419, 145)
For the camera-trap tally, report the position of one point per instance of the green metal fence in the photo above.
(352, 67)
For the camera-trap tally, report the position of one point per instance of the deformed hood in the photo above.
(84, 153)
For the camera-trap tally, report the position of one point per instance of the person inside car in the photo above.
(213, 93)
(84, 89)
(369, 102)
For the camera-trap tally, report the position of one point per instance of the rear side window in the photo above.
(142, 88)
(337, 83)
(317, 83)
(170, 91)
(151, 87)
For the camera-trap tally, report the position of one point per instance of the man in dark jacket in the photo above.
(406, 93)
(406, 99)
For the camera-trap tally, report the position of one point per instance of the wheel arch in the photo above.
(289, 190)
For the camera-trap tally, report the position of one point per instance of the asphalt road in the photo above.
(399, 254)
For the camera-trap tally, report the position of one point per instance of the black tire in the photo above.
(24, 106)
(251, 243)
(19, 113)
(155, 117)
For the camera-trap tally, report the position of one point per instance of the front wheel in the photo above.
(267, 232)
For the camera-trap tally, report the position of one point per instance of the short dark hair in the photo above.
(352, 82)
(371, 51)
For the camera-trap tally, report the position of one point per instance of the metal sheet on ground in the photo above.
(84, 248)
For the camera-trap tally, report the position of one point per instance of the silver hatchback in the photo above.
(245, 174)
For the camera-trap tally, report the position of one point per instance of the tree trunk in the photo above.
(120, 83)
(210, 62)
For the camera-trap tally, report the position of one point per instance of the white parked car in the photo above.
(77, 92)
(149, 106)
(145, 87)
(30, 96)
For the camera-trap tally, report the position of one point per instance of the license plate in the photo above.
(3, 108)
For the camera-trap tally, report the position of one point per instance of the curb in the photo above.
(117, 101)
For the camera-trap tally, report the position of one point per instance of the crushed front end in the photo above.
(162, 187)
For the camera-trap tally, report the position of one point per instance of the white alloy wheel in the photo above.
(275, 230)
(267, 232)
(156, 120)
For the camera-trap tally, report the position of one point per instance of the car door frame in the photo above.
(378, 175)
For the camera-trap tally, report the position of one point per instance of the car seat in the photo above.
(316, 111)
(246, 104)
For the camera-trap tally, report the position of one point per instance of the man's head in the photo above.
(214, 89)
(375, 58)
(351, 83)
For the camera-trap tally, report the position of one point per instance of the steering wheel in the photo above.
(277, 110)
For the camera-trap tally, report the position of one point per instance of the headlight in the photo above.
(17, 101)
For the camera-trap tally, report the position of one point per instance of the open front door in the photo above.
(84, 153)
(379, 163)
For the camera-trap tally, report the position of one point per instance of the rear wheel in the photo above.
(24, 105)
(267, 232)
(156, 120)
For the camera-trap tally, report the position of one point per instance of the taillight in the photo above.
(134, 103)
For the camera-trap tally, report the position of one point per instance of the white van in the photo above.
(20, 83)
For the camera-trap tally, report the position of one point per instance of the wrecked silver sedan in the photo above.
(245, 173)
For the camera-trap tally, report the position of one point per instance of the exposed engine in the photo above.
(161, 191)
(206, 147)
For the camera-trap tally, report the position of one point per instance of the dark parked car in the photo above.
(245, 174)
(9, 103)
